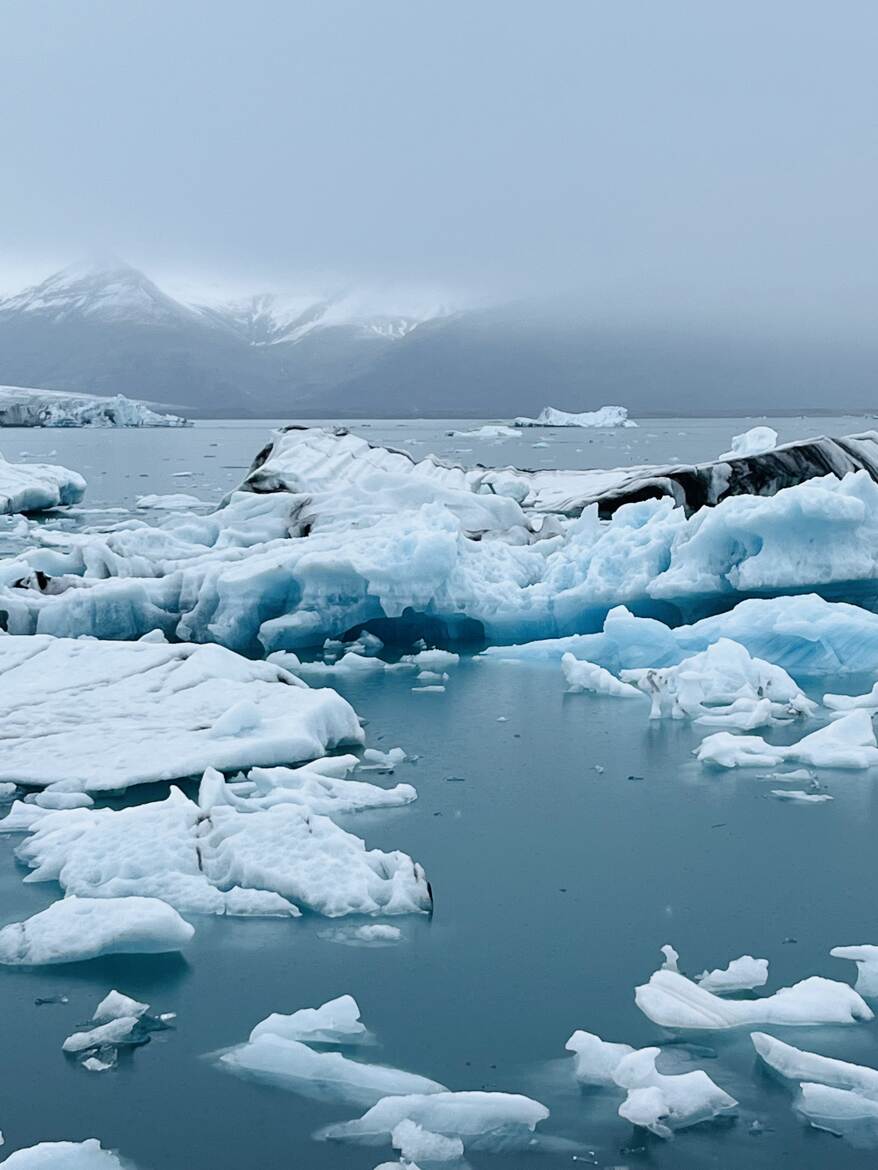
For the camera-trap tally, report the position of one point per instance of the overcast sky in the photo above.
(652, 157)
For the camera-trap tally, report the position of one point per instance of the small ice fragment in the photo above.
(116, 1031)
(114, 1005)
(384, 759)
(582, 675)
(797, 796)
(336, 1022)
(671, 957)
(431, 690)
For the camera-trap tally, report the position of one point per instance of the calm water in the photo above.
(555, 886)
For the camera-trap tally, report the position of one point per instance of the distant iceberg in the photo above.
(607, 416)
(25, 406)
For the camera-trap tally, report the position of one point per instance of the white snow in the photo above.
(74, 929)
(606, 416)
(848, 742)
(753, 442)
(743, 974)
(663, 1103)
(482, 1120)
(866, 958)
(34, 487)
(673, 1001)
(154, 712)
(25, 406)
(87, 1155)
(336, 1022)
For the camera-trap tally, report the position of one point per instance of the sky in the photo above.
(644, 159)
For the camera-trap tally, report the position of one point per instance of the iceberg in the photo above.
(848, 742)
(744, 974)
(87, 1155)
(293, 1065)
(866, 958)
(155, 712)
(34, 487)
(227, 854)
(482, 1120)
(606, 416)
(329, 535)
(663, 1103)
(75, 929)
(336, 1022)
(25, 406)
(595, 1060)
(756, 441)
(673, 1001)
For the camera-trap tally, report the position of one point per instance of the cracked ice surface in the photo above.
(154, 712)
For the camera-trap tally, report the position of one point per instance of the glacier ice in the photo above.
(848, 742)
(335, 1022)
(606, 416)
(743, 974)
(293, 1065)
(34, 487)
(595, 1060)
(756, 441)
(482, 1120)
(866, 958)
(673, 1001)
(664, 1103)
(329, 534)
(229, 854)
(87, 1155)
(155, 712)
(27, 406)
(74, 929)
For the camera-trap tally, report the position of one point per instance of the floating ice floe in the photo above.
(606, 416)
(663, 1103)
(804, 634)
(176, 501)
(292, 1065)
(489, 431)
(481, 1120)
(87, 1155)
(756, 441)
(267, 854)
(329, 534)
(833, 1094)
(587, 676)
(154, 712)
(34, 487)
(370, 934)
(673, 1001)
(335, 1022)
(118, 1022)
(74, 929)
(798, 796)
(595, 1060)
(848, 742)
(743, 974)
(723, 686)
(866, 958)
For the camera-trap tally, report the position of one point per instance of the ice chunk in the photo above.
(335, 1022)
(753, 442)
(293, 1065)
(722, 686)
(154, 712)
(840, 1112)
(606, 416)
(853, 702)
(671, 957)
(673, 1001)
(52, 799)
(34, 487)
(797, 796)
(595, 1060)
(586, 676)
(115, 1005)
(848, 742)
(75, 929)
(664, 1103)
(413, 1141)
(742, 974)
(7, 791)
(87, 1155)
(384, 759)
(115, 1031)
(481, 1120)
(175, 501)
(438, 660)
(866, 958)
